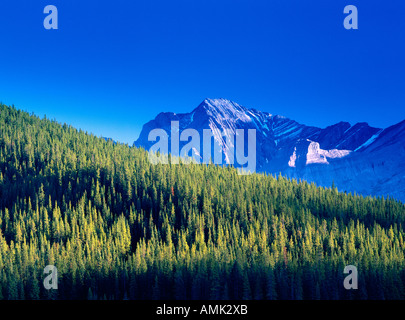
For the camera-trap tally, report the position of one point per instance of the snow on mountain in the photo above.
(358, 158)
(317, 155)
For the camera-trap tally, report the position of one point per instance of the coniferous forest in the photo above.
(118, 227)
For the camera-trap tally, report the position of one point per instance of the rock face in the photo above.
(358, 158)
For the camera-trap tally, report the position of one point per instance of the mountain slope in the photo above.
(118, 227)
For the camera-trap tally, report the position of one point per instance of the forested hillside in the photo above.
(118, 227)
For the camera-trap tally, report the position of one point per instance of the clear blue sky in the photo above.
(113, 65)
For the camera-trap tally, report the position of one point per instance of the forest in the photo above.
(118, 227)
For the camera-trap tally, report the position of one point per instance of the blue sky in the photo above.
(113, 65)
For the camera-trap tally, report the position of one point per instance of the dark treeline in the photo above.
(118, 227)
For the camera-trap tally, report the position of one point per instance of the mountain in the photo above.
(118, 227)
(358, 158)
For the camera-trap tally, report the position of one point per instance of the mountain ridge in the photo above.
(349, 156)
